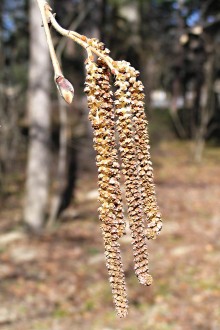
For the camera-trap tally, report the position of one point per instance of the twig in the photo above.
(44, 9)
(78, 38)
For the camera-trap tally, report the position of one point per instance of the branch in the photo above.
(81, 40)
(205, 7)
(90, 45)
(86, 43)
(44, 9)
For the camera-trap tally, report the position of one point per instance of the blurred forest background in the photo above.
(52, 267)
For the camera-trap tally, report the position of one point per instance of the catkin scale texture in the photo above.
(111, 215)
(154, 223)
(131, 174)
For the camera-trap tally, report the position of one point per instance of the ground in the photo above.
(59, 281)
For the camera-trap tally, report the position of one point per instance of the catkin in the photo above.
(115, 271)
(154, 223)
(131, 173)
(111, 209)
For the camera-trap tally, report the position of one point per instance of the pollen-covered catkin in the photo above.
(154, 223)
(111, 209)
(124, 118)
(131, 173)
(116, 274)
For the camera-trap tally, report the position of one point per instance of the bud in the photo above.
(65, 88)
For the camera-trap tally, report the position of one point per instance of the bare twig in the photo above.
(45, 9)
(78, 38)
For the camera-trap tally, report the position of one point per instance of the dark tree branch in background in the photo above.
(73, 26)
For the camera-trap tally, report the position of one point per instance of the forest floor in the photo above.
(59, 281)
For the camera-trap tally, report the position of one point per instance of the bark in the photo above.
(207, 108)
(62, 163)
(176, 93)
(9, 114)
(39, 117)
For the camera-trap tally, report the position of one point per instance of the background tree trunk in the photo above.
(39, 118)
(207, 108)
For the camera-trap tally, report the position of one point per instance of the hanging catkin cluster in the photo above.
(120, 114)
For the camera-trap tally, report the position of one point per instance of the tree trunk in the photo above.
(62, 163)
(176, 93)
(39, 118)
(207, 108)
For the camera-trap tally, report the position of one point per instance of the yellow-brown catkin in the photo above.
(154, 223)
(116, 274)
(131, 173)
(111, 209)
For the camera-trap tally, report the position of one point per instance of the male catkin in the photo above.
(115, 114)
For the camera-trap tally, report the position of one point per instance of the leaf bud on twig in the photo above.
(65, 88)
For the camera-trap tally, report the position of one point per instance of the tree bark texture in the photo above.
(39, 119)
